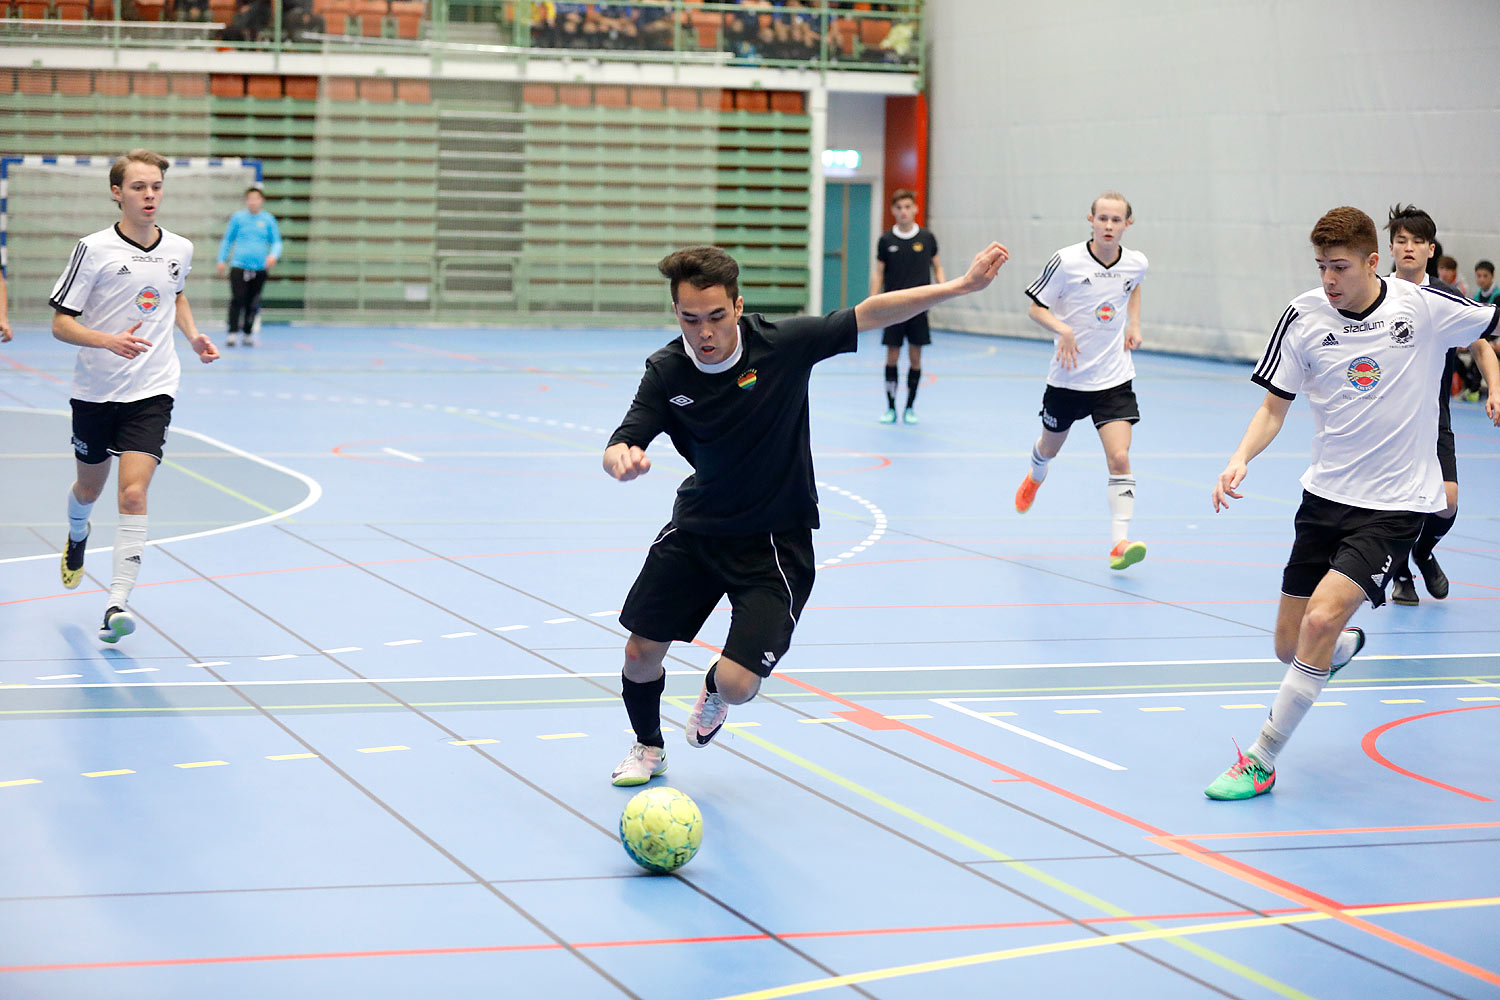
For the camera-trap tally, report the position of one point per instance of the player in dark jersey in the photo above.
(731, 392)
(905, 257)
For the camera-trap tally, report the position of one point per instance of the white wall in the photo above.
(857, 121)
(1230, 124)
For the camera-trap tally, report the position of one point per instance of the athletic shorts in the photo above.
(104, 429)
(1060, 407)
(768, 578)
(1446, 457)
(1362, 544)
(914, 330)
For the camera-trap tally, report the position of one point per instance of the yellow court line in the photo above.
(562, 736)
(107, 774)
(204, 763)
(470, 743)
(1164, 708)
(1022, 868)
(20, 781)
(219, 486)
(292, 756)
(381, 749)
(1078, 944)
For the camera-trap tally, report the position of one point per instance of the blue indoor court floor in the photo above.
(361, 744)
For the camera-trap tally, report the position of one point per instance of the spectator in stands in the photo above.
(544, 25)
(804, 37)
(1447, 269)
(616, 28)
(5, 334)
(654, 25)
(250, 248)
(576, 25)
(298, 18)
(738, 36)
(251, 18)
(1484, 277)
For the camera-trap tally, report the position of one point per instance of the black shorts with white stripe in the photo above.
(1361, 544)
(767, 577)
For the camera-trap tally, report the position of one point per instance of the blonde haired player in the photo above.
(118, 300)
(1089, 298)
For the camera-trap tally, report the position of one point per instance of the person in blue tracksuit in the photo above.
(250, 248)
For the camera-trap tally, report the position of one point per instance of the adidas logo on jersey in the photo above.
(1087, 281)
(123, 270)
(1128, 493)
(1330, 341)
(133, 559)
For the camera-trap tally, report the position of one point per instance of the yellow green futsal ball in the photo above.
(661, 829)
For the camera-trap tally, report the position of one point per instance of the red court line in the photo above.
(636, 943)
(1322, 904)
(1373, 736)
(1353, 829)
(27, 368)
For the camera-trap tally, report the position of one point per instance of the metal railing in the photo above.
(820, 34)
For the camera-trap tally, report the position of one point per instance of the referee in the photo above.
(731, 393)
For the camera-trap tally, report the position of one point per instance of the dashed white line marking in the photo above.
(871, 538)
(59, 677)
(602, 614)
(403, 454)
(403, 642)
(343, 649)
(1035, 737)
(210, 663)
(558, 621)
(459, 635)
(509, 628)
(138, 670)
(278, 656)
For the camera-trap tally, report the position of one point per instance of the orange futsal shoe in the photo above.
(1026, 494)
(1126, 553)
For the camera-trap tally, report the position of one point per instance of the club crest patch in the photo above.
(1363, 373)
(1105, 312)
(747, 380)
(147, 300)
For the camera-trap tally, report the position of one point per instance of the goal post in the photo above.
(48, 202)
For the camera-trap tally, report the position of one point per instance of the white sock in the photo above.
(78, 517)
(130, 541)
(1121, 505)
(1038, 465)
(1299, 689)
(1344, 646)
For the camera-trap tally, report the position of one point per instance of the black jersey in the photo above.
(744, 430)
(908, 262)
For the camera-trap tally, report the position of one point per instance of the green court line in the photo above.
(1081, 895)
(220, 487)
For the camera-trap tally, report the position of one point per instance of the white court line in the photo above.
(402, 454)
(314, 491)
(1035, 737)
(1209, 694)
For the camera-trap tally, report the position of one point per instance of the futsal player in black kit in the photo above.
(731, 393)
(905, 256)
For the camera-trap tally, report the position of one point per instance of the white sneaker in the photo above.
(707, 719)
(640, 765)
(118, 623)
(230, 339)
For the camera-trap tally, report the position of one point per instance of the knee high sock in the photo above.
(890, 386)
(78, 517)
(1434, 527)
(130, 542)
(913, 379)
(1121, 505)
(1038, 465)
(1299, 689)
(643, 705)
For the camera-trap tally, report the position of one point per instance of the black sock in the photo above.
(643, 705)
(710, 683)
(1434, 527)
(890, 386)
(913, 379)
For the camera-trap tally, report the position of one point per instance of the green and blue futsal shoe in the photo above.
(1246, 778)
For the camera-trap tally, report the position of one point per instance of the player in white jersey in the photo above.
(1089, 297)
(1367, 352)
(119, 299)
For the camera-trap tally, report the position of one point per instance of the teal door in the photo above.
(846, 245)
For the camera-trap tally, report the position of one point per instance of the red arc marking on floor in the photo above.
(1373, 736)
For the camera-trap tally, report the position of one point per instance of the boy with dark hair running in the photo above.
(905, 257)
(118, 300)
(1079, 298)
(731, 392)
(1366, 351)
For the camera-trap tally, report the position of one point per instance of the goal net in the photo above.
(48, 202)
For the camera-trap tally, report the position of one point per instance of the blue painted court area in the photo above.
(361, 743)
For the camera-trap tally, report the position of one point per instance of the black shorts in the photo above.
(1446, 457)
(1362, 544)
(768, 579)
(104, 429)
(914, 330)
(1060, 407)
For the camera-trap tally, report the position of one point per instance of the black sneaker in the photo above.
(72, 560)
(1433, 576)
(1403, 591)
(118, 623)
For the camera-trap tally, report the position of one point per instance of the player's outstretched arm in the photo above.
(126, 344)
(625, 461)
(1264, 427)
(1483, 353)
(200, 343)
(889, 308)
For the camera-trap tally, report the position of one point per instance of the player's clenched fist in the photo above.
(625, 462)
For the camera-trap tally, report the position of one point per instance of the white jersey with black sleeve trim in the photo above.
(1368, 377)
(110, 284)
(1091, 297)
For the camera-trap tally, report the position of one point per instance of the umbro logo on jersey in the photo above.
(680, 400)
(1330, 341)
(123, 270)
